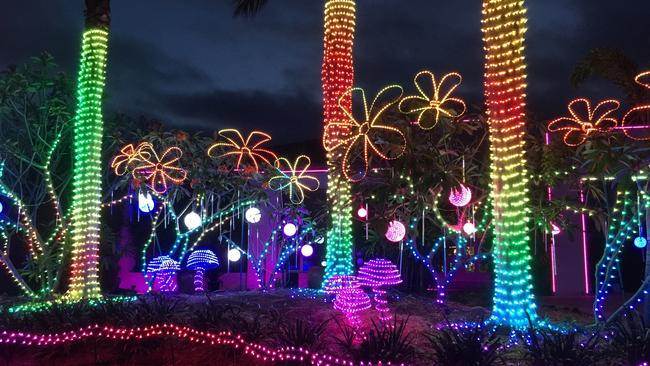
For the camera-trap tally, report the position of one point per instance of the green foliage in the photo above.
(302, 334)
(630, 339)
(473, 346)
(556, 348)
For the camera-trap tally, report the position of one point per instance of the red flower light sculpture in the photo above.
(584, 121)
(377, 274)
(364, 135)
(245, 149)
(435, 104)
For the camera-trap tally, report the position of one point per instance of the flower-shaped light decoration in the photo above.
(636, 122)
(246, 150)
(460, 197)
(294, 177)
(160, 170)
(584, 121)
(128, 156)
(364, 134)
(435, 104)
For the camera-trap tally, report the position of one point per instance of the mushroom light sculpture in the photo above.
(378, 274)
(350, 298)
(152, 270)
(167, 274)
(200, 261)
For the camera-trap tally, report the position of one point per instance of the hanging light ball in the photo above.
(323, 264)
(555, 230)
(469, 228)
(253, 215)
(289, 229)
(460, 197)
(396, 231)
(319, 240)
(234, 255)
(145, 202)
(307, 250)
(362, 213)
(640, 242)
(1, 207)
(192, 220)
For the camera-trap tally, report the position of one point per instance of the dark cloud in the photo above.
(192, 65)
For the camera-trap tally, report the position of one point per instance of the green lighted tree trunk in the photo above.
(504, 26)
(88, 133)
(338, 77)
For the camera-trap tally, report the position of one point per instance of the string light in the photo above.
(585, 121)
(337, 75)
(87, 182)
(201, 261)
(246, 150)
(378, 274)
(295, 178)
(363, 135)
(460, 197)
(504, 27)
(441, 105)
(395, 231)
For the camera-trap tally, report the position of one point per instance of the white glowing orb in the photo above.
(555, 230)
(396, 231)
(192, 220)
(469, 228)
(323, 263)
(145, 202)
(460, 197)
(307, 250)
(234, 255)
(362, 213)
(1, 207)
(253, 215)
(319, 240)
(640, 242)
(289, 229)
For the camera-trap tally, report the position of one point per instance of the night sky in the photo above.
(192, 65)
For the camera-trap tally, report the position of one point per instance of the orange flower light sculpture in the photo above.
(636, 123)
(246, 150)
(365, 133)
(584, 121)
(127, 157)
(144, 163)
(294, 177)
(436, 103)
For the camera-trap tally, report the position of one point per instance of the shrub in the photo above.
(630, 339)
(473, 346)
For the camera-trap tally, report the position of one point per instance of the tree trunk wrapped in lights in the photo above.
(88, 133)
(504, 26)
(338, 77)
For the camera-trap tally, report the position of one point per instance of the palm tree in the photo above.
(504, 27)
(88, 134)
(337, 77)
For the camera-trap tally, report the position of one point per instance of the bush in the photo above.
(472, 346)
(553, 348)
(630, 340)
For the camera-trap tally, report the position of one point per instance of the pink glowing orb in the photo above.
(362, 213)
(460, 197)
(396, 231)
(555, 230)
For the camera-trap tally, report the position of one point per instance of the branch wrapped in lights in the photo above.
(440, 105)
(294, 178)
(247, 150)
(584, 121)
(363, 134)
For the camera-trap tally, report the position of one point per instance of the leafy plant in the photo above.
(630, 339)
(553, 348)
(302, 334)
(475, 346)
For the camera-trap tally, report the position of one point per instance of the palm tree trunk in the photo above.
(338, 77)
(88, 133)
(504, 26)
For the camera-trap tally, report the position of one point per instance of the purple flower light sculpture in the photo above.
(378, 274)
(200, 261)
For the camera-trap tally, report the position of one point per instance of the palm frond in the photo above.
(248, 8)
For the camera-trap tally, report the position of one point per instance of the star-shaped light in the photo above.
(363, 134)
(437, 104)
(584, 121)
(294, 177)
(246, 150)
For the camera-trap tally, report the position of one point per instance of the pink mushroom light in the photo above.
(460, 197)
(378, 274)
(350, 298)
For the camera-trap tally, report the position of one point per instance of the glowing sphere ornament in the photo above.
(253, 215)
(192, 220)
(1, 207)
(289, 229)
(640, 242)
(323, 263)
(362, 213)
(396, 231)
(307, 250)
(234, 255)
(145, 202)
(460, 197)
(469, 228)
